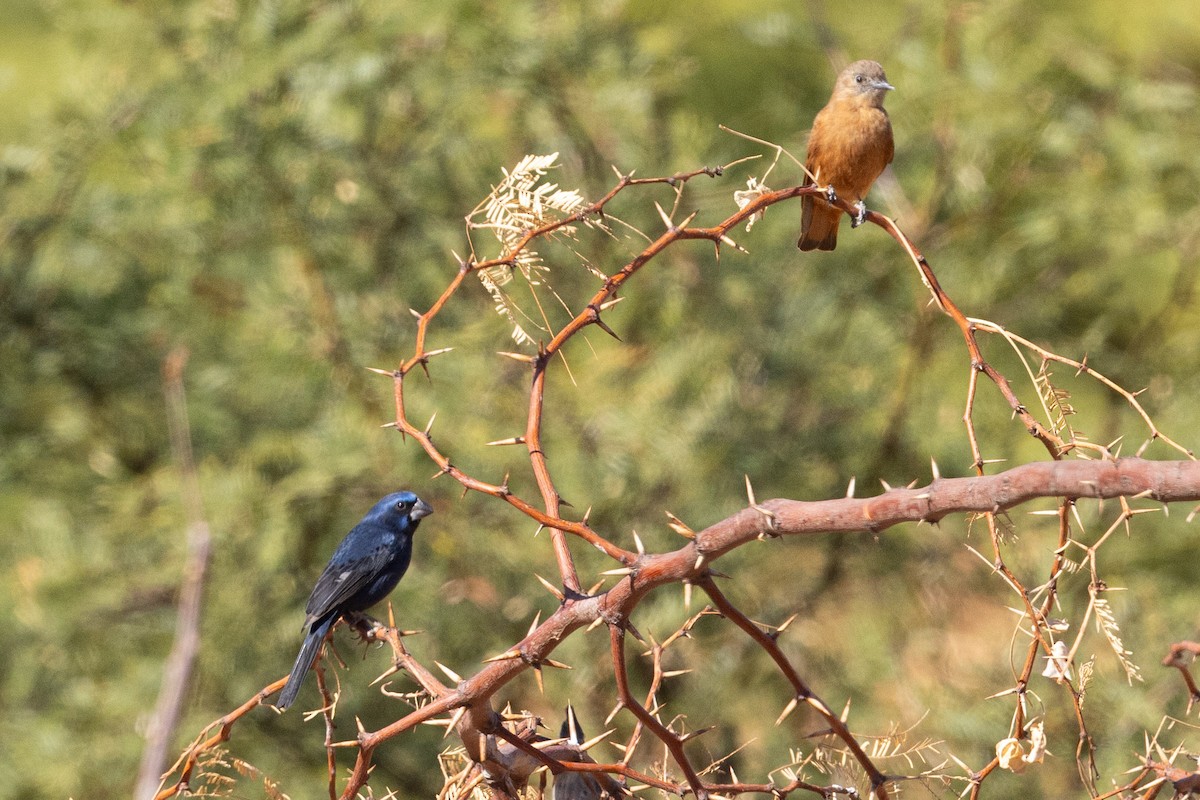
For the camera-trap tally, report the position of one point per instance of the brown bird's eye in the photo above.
(858, 78)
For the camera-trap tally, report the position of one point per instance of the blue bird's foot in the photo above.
(363, 624)
(861, 216)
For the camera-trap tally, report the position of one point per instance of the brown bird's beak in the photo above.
(884, 85)
(420, 510)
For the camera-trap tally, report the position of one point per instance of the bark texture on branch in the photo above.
(1164, 481)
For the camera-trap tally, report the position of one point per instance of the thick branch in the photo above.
(1164, 481)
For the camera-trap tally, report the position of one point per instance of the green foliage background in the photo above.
(272, 185)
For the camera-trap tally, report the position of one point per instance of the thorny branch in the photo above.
(1180, 656)
(503, 754)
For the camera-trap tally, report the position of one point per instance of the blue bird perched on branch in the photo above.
(363, 570)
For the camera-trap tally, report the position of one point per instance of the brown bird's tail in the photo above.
(818, 224)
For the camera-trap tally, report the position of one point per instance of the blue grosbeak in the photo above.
(364, 569)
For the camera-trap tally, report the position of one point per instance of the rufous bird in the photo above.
(850, 144)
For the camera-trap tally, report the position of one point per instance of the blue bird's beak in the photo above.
(420, 510)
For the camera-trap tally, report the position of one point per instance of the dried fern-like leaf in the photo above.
(1085, 678)
(1070, 566)
(218, 775)
(1057, 400)
(1107, 623)
(522, 203)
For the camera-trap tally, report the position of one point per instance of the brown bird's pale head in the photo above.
(864, 82)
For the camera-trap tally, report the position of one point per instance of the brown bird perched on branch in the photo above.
(850, 144)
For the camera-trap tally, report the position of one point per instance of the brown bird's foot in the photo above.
(830, 194)
(860, 217)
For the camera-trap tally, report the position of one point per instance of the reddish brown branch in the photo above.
(590, 315)
(552, 521)
(372, 631)
(1162, 481)
(624, 770)
(1120, 791)
(367, 742)
(327, 715)
(731, 789)
(799, 687)
(1177, 657)
(673, 743)
(541, 470)
(186, 763)
(1185, 784)
(1054, 445)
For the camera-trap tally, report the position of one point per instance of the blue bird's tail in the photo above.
(304, 661)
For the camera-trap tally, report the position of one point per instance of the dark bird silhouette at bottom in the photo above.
(583, 785)
(363, 570)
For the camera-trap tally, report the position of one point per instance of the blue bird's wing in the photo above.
(351, 570)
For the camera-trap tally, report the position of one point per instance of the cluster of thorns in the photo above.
(501, 754)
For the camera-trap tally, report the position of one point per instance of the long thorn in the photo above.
(451, 674)
(787, 710)
(454, 720)
(679, 526)
(602, 325)
(389, 672)
(554, 590)
(750, 492)
(666, 220)
(503, 442)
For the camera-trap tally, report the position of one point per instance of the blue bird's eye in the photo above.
(403, 506)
